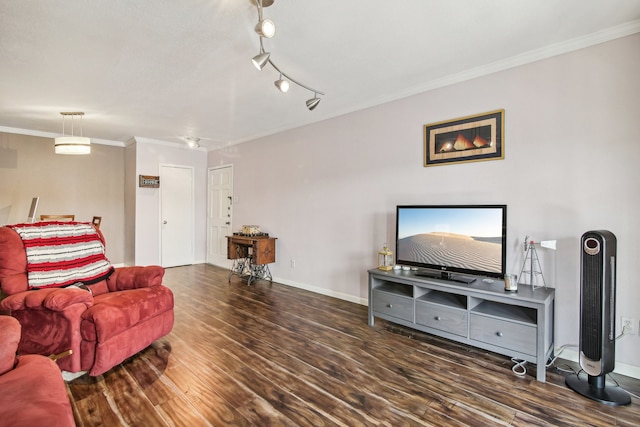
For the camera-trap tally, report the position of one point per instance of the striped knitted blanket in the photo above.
(63, 253)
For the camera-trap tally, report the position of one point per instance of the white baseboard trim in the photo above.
(322, 291)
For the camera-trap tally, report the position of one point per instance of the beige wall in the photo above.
(81, 185)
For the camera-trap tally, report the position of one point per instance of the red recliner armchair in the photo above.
(114, 319)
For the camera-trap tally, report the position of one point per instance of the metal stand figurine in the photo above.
(534, 273)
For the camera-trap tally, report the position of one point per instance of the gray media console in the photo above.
(516, 324)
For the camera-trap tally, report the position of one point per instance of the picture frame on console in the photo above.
(468, 139)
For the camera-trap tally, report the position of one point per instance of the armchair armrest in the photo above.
(54, 299)
(9, 337)
(124, 278)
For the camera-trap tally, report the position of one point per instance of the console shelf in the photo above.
(516, 324)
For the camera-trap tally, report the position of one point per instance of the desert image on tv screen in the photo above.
(469, 238)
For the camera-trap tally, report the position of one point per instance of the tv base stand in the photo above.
(484, 315)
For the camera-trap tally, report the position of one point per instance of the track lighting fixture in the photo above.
(266, 29)
(282, 84)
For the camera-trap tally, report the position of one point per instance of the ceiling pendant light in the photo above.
(193, 141)
(74, 145)
(313, 102)
(282, 84)
(267, 29)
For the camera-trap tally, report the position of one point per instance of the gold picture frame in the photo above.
(468, 139)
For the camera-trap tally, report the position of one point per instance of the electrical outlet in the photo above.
(293, 263)
(629, 325)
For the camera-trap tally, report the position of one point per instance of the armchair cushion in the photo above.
(63, 253)
(135, 277)
(116, 312)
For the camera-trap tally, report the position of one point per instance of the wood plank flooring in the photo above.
(272, 355)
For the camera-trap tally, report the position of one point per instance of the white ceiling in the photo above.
(167, 69)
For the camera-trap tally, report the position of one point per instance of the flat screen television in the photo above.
(451, 241)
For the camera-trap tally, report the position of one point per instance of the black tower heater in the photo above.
(597, 319)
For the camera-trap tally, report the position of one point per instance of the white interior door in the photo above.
(176, 215)
(219, 213)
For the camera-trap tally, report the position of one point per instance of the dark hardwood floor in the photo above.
(272, 355)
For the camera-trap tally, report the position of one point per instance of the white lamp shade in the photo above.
(72, 145)
(549, 244)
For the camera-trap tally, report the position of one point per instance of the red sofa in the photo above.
(115, 320)
(32, 390)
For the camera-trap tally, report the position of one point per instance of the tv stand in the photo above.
(515, 324)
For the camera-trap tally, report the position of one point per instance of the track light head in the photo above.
(282, 84)
(266, 28)
(313, 102)
(260, 60)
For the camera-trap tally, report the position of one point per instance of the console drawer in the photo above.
(443, 318)
(393, 305)
(502, 333)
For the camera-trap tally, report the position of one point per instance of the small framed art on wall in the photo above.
(467, 139)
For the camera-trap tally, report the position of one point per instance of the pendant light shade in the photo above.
(73, 145)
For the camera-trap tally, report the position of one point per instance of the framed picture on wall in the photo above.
(467, 139)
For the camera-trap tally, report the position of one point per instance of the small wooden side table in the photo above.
(251, 256)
